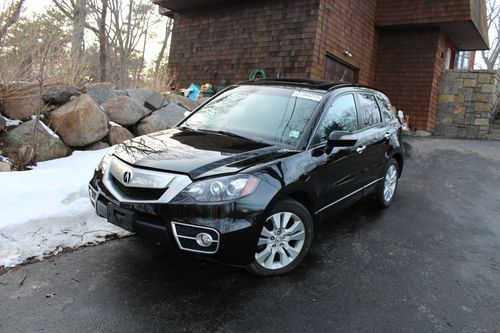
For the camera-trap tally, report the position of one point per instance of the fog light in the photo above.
(204, 239)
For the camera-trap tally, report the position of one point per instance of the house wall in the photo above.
(227, 41)
(410, 63)
(405, 12)
(467, 103)
(347, 26)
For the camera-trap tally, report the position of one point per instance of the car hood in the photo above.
(197, 154)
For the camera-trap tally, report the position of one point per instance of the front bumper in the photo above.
(233, 226)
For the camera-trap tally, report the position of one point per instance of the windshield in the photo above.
(263, 113)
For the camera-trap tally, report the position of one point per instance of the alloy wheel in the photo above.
(390, 182)
(280, 241)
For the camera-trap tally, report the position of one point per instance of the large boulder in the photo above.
(122, 110)
(97, 146)
(148, 125)
(139, 95)
(101, 92)
(20, 100)
(58, 94)
(3, 123)
(5, 166)
(182, 101)
(155, 101)
(170, 114)
(49, 145)
(117, 135)
(159, 120)
(80, 122)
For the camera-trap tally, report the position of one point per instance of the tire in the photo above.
(388, 186)
(276, 255)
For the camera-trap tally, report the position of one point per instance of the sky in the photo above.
(154, 45)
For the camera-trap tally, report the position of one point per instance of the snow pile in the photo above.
(46, 128)
(9, 122)
(47, 209)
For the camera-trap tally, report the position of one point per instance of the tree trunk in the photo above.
(78, 34)
(125, 50)
(103, 42)
(11, 19)
(168, 30)
(123, 74)
(141, 64)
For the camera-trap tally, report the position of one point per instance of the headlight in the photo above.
(104, 164)
(221, 189)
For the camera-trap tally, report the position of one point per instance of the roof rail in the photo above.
(307, 83)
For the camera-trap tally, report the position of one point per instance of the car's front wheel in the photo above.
(284, 240)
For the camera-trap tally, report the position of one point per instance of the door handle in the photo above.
(360, 149)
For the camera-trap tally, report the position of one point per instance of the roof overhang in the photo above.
(180, 5)
(464, 35)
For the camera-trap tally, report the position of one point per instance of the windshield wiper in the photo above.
(234, 135)
(220, 132)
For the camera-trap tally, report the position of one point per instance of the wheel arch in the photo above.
(399, 158)
(304, 199)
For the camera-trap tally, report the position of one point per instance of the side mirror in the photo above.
(340, 139)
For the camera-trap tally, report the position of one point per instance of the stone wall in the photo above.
(467, 103)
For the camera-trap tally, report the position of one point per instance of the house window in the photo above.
(449, 59)
(339, 71)
(464, 60)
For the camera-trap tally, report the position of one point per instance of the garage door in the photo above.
(338, 71)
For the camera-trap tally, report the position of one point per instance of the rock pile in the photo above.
(92, 118)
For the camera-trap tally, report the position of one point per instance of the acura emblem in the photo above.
(126, 177)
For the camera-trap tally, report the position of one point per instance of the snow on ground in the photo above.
(47, 209)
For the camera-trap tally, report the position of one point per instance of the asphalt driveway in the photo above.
(430, 263)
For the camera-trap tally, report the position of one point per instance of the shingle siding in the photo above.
(404, 12)
(409, 67)
(347, 26)
(228, 41)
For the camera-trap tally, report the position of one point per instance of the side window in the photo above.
(370, 114)
(341, 115)
(385, 107)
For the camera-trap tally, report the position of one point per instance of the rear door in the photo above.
(372, 139)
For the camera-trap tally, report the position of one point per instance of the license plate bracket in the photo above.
(121, 217)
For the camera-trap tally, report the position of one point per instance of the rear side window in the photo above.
(385, 108)
(341, 115)
(370, 114)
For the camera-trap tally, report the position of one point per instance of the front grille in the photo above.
(138, 193)
(92, 196)
(185, 235)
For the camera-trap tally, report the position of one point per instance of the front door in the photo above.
(338, 177)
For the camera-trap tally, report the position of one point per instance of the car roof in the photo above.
(309, 84)
(296, 82)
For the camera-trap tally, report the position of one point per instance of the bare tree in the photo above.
(103, 40)
(76, 11)
(9, 17)
(127, 32)
(491, 58)
(168, 32)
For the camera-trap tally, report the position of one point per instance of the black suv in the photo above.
(244, 177)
